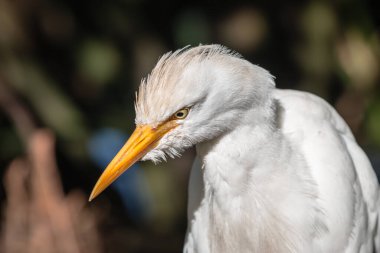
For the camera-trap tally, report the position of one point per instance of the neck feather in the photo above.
(246, 174)
(232, 157)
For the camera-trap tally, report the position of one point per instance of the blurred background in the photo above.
(68, 73)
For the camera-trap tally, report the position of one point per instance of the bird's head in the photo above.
(191, 96)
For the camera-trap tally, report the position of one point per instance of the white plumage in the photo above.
(276, 170)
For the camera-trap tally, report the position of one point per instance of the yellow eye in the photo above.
(181, 114)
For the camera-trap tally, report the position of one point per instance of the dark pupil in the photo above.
(180, 114)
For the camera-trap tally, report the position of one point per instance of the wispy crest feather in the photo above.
(167, 73)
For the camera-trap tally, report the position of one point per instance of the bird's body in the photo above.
(300, 185)
(277, 170)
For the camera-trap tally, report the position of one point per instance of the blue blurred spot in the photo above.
(131, 185)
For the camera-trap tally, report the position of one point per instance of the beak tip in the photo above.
(93, 195)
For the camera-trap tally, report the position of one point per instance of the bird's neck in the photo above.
(247, 172)
(248, 152)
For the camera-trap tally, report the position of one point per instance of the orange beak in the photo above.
(143, 139)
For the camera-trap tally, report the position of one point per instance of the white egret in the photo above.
(276, 170)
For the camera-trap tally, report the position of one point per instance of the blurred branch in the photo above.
(16, 213)
(38, 216)
(17, 112)
(50, 212)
